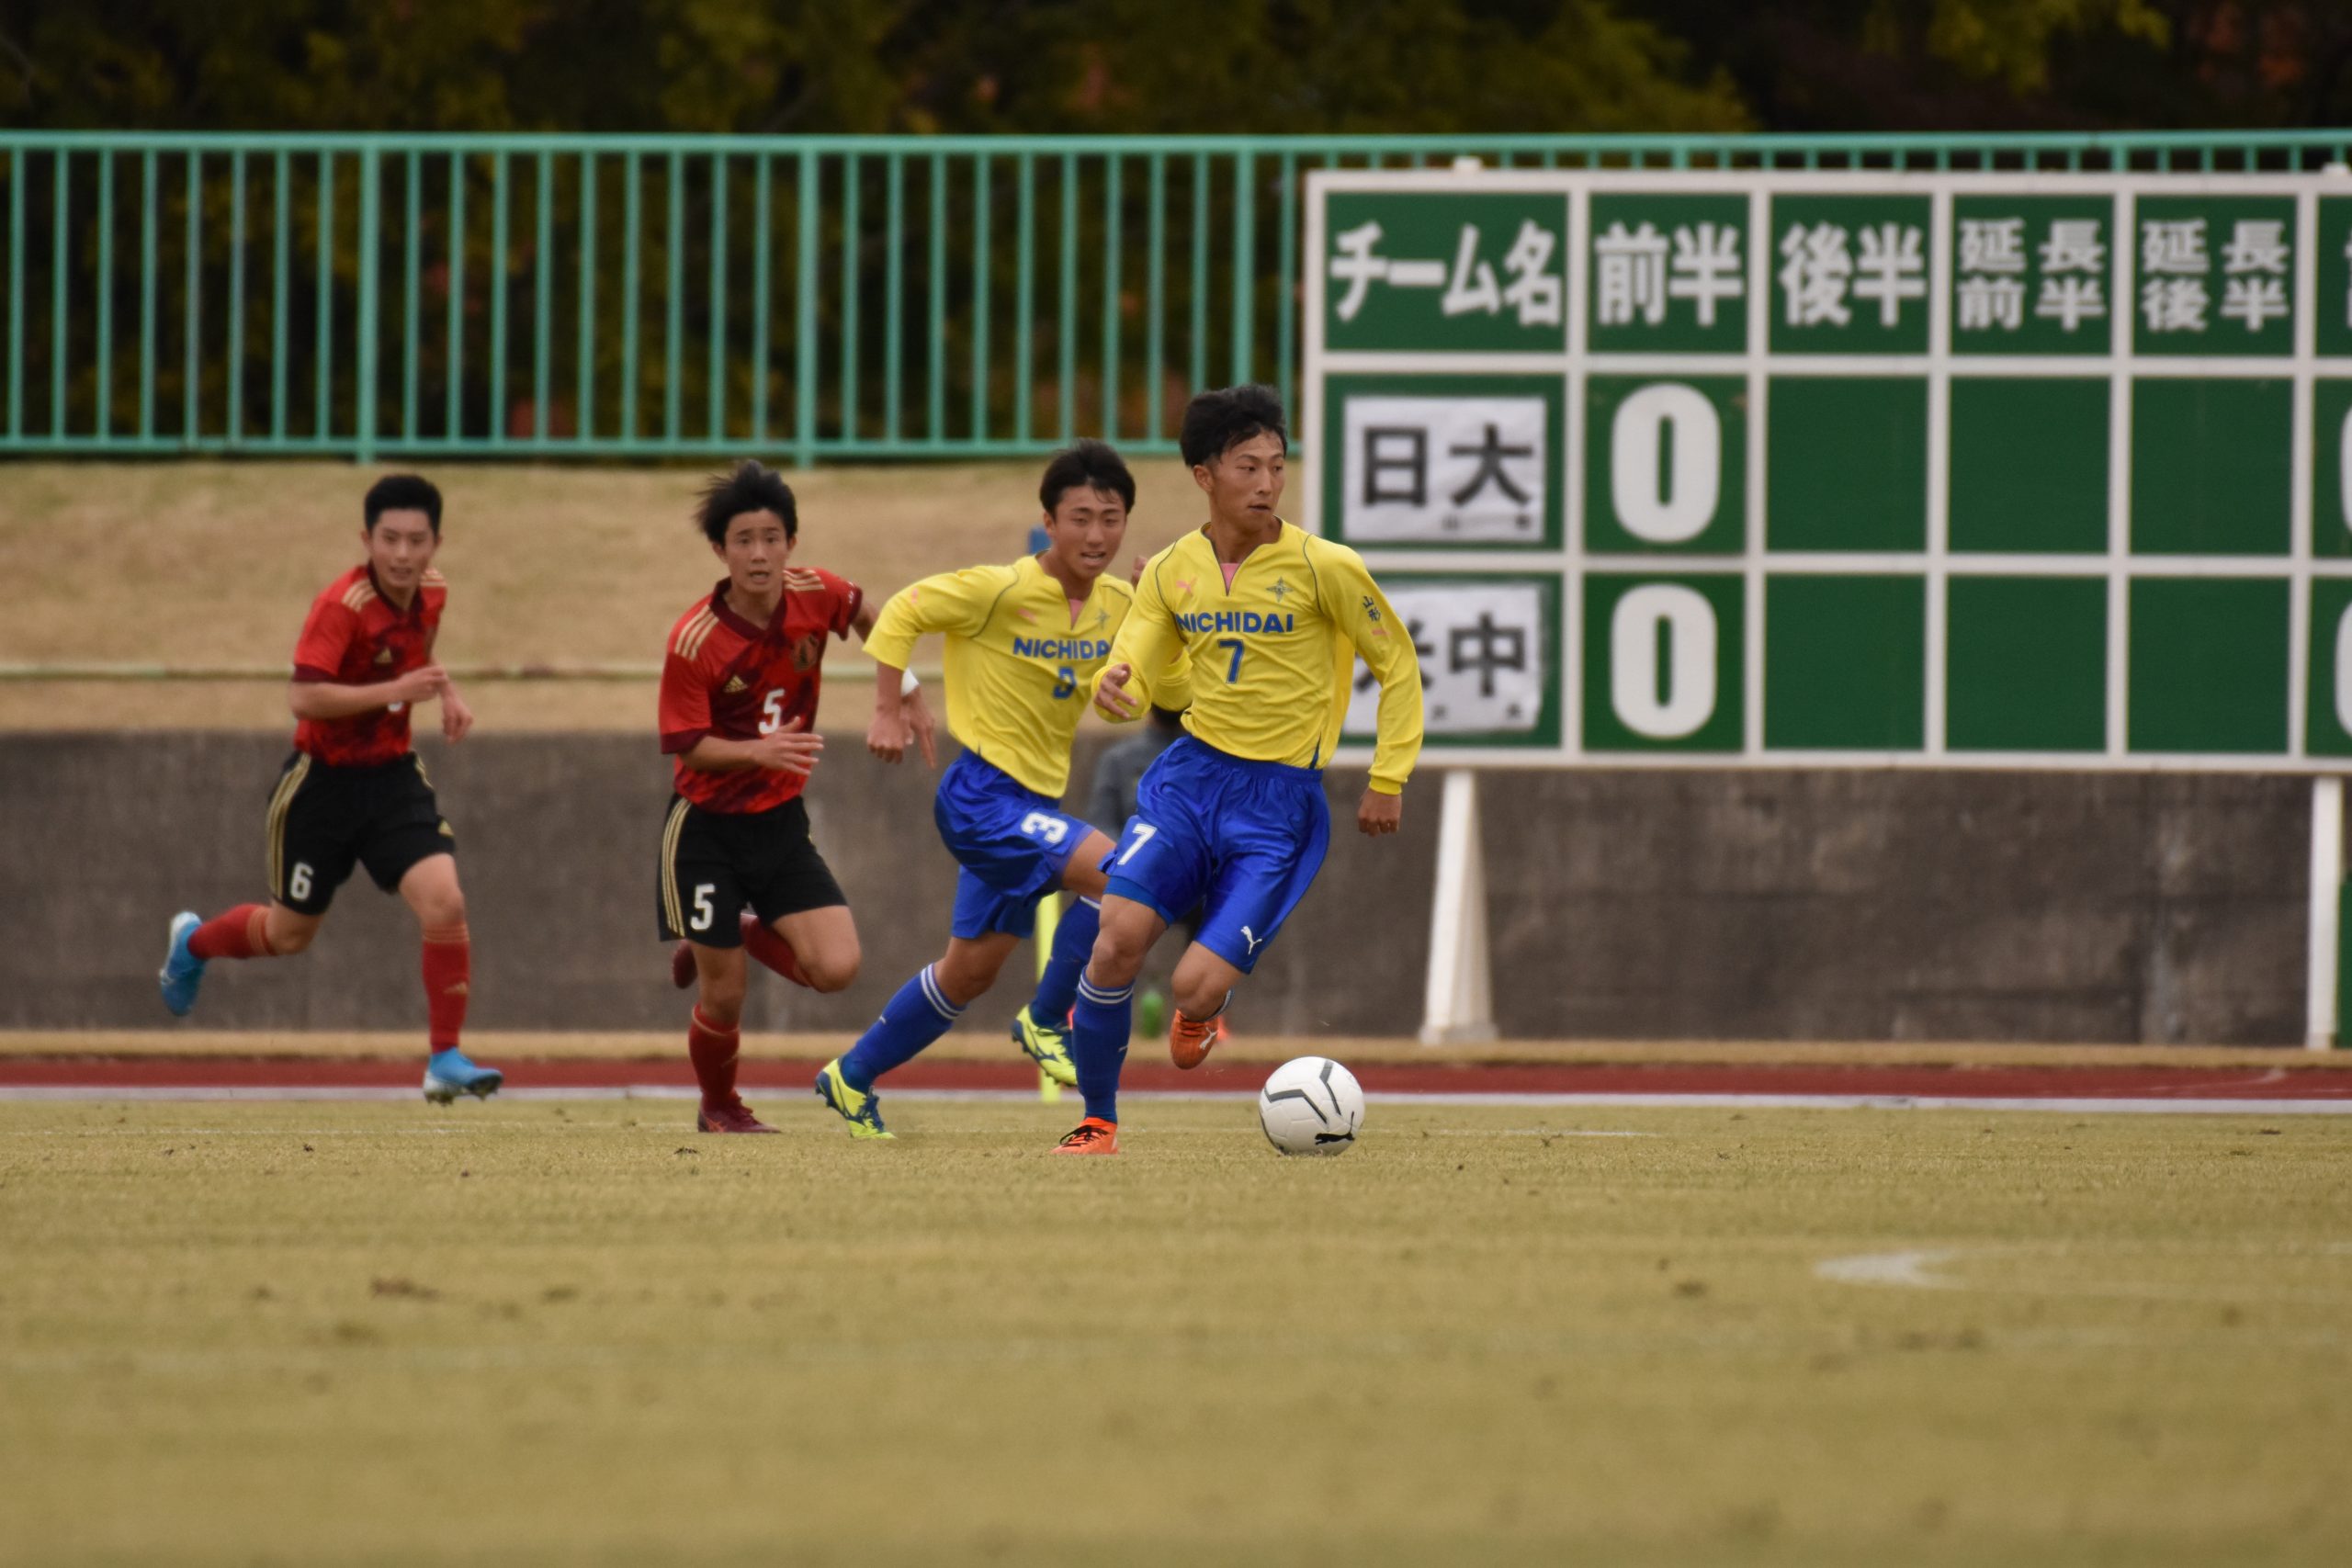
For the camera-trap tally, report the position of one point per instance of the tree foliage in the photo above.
(2025, 64)
(851, 65)
(1313, 66)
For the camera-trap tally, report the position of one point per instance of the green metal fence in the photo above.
(843, 296)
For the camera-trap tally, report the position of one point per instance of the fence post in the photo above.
(1458, 1007)
(2326, 912)
(370, 212)
(1244, 260)
(804, 396)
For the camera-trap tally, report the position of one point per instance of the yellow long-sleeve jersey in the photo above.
(1020, 665)
(1270, 655)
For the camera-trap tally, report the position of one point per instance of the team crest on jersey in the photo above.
(1280, 589)
(735, 687)
(808, 653)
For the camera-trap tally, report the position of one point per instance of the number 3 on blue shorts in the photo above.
(1046, 826)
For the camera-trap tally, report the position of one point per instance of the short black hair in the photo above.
(404, 493)
(1090, 465)
(753, 487)
(1216, 423)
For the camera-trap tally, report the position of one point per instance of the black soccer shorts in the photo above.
(716, 865)
(325, 819)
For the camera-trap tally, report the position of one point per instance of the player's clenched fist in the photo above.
(791, 750)
(1377, 812)
(421, 684)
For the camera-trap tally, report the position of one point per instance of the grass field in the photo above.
(218, 562)
(556, 1333)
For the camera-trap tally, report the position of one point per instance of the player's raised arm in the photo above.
(1363, 611)
(862, 619)
(952, 602)
(1145, 657)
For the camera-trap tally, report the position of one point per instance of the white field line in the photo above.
(1925, 1269)
(2072, 1105)
(1911, 1269)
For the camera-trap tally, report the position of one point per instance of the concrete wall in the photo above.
(1840, 906)
(1630, 904)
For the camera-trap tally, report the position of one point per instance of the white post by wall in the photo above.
(1459, 1006)
(2328, 878)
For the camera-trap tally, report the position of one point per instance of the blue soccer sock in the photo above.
(1097, 1045)
(1073, 945)
(917, 1015)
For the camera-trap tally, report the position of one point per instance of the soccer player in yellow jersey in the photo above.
(1264, 622)
(1024, 643)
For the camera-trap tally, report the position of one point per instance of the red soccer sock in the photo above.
(713, 1051)
(772, 951)
(449, 982)
(242, 933)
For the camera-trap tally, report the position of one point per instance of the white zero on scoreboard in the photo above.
(2344, 668)
(1668, 503)
(2344, 467)
(1662, 661)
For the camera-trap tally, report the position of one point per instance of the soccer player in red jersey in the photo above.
(353, 792)
(739, 691)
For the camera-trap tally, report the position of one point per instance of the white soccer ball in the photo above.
(1311, 1106)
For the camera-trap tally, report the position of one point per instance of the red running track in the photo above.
(2008, 1082)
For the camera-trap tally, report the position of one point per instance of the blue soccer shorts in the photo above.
(1011, 842)
(1246, 837)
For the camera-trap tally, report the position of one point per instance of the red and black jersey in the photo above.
(356, 637)
(727, 677)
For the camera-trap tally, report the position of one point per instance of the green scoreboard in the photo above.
(2024, 470)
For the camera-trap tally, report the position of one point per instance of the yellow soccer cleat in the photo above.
(862, 1108)
(1047, 1046)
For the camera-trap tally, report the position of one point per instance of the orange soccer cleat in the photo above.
(1190, 1040)
(1092, 1137)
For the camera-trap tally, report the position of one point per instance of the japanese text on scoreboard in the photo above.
(1932, 470)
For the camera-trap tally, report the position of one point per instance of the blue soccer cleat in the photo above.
(183, 971)
(449, 1075)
